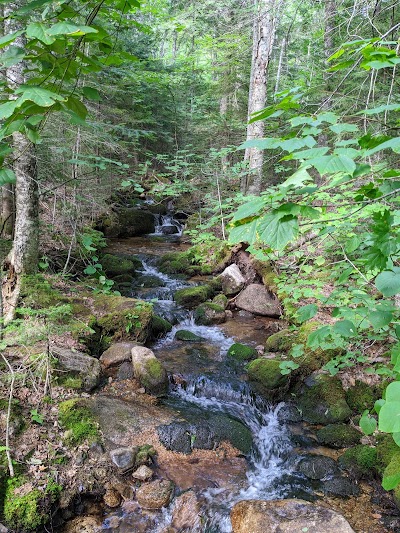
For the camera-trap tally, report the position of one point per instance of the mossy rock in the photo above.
(267, 274)
(124, 278)
(338, 436)
(188, 336)
(133, 222)
(114, 265)
(360, 460)
(242, 352)
(191, 297)
(76, 418)
(362, 396)
(149, 371)
(233, 431)
(386, 449)
(267, 377)
(38, 293)
(323, 401)
(149, 282)
(28, 510)
(220, 300)
(159, 327)
(208, 313)
(391, 472)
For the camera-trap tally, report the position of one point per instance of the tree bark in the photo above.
(263, 39)
(23, 258)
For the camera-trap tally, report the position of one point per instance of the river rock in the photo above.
(338, 436)
(340, 486)
(83, 524)
(125, 371)
(188, 336)
(143, 473)
(79, 364)
(117, 353)
(318, 467)
(286, 516)
(241, 352)
(220, 300)
(149, 371)
(257, 300)
(208, 314)
(232, 280)
(148, 281)
(266, 377)
(115, 265)
(186, 513)
(123, 458)
(155, 494)
(133, 221)
(169, 229)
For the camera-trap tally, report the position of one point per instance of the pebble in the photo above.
(143, 473)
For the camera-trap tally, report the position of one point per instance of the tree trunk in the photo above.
(263, 40)
(23, 257)
(7, 211)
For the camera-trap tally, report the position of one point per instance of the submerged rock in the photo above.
(286, 516)
(186, 513)
(208, 314)
(148, 370)
(257, 300)
(155, 494)
(232, 280)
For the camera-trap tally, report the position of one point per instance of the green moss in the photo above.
(71, 382)
(266, 373)
(361, 396)
(209, 313)
(75, 416)
(193, 296)
(220, 300)
(281, 341)
(159, 326)
(114, 265)
(38, 293)
(241, 352)
(360, 460)
(27, 511)
(267, 274)
(144, 454)
(338, 435)
(393, 468)
(199, 259)
(324, 401)
(188, 336)
(386, 448)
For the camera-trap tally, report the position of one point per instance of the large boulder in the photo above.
(285, 516)
(208, 313)
(117, 353)
(257, 300)
(241, 352)
(318, 466)
(80, 365)
(133, 221)
(191, 297)
(338, 436)
(114, 265)
(148, 370)
(232, 280)
(266, 377)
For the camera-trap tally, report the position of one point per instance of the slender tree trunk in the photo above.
(7, 211)
(279, 72)
(23, 257)
(263, 39)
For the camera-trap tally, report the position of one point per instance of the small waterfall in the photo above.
(167, 225)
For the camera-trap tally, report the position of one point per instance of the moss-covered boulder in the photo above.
(27, 508)
(187, 336)
(159, 327)
(37, 292)
(134, 221)
(242, 352)
(360, 461)
(323, 401)
(362, 396)
(114, 265)
(266, 376)
(75, 364)
(76, 418)
(148, 370)
(386, 449)
(149, 282)
(266, 273)
(208, 313)
(191, 297)
(338, 436)
(220, 300)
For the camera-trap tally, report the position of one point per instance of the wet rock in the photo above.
(176, 437)
(143, 473)
(83, 524)
(340, 486)
(245, 314)
(257, 300)
(338, 436)
(169, 229)
(232, 280)
(266, 376)
(149, 371)
(117, 353)
(155, 494)
(186, 513)
(148, 281)
(125, 371)
(193, 296)
(159, 327)
(289, 413)
(123, 458)
(360, 461)
(79, 365)
(188, 336)
(208, 314)
(242, 352)
(318, 467)
(114, 265)
(112, 522)
(286, 516)
(233, 431)
(323, 400)
(134, 221)
(220, 300)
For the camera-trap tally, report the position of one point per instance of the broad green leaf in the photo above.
(306, 312)
(392, 392)
(297, 179)
(341, 128)
(262, 144)
(9, 38)
(394, 144)
(38, 95)
(332, 164)
(249, 209)
(391, 474)
(90, 270)
(7, 176)
(368, 424)
(277, 231)
(12, 56)
(328, 116)
(91, 94)
(36, 30)
(244, 233)
(380, 109)
(396, 438)
(7, 109)
(76, 106)
(389, 416)
(388, 282)
(380, 319)
(345, 328)
(352, 244)
(289, 145)
(66, 28)
(318, 336)
(342, 65)
(310, 153)
(378, 405)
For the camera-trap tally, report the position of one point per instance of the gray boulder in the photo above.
(257, 300)
(79, 364)
(148, 370)
(117, 354)
(232, 280)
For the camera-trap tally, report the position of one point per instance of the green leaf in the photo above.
(244, 233)
(318, 336)
(310, 153)
(391, 475)
(388, 282)
(298, 178)
(394, 144)
(352, 244)
(368, 424)
(380, 319)
(306, 312)
(277, 231)
(392, 392)
(38, 95)
(36, 30)
(9, 38)
(77, 107)
(90, 270)
(7, 176)
(378, 405)
(396, 438)
(345, 328)
(66, 28)
(12, 56)
(7, 109)
(332, 164)
(380, 109)
(249, 209)
(91, 94)
(341, 128)
(389, 417)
